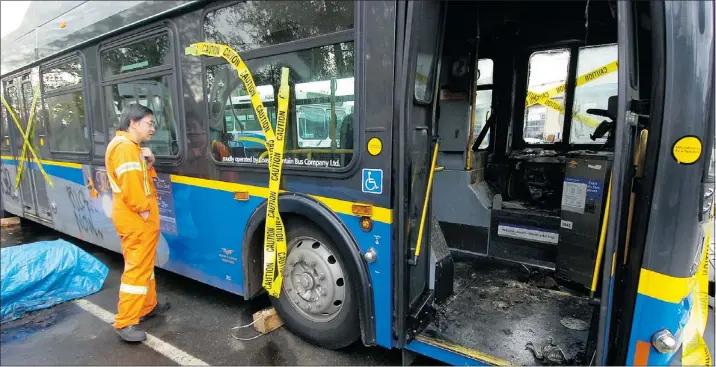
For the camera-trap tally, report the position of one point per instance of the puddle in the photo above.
(27, 232)
(29, 324)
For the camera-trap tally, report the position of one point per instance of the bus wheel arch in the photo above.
(311, 216)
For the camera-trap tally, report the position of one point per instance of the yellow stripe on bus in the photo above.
(383, 215)
(43, 161)
(380, 214)
(664, 287)
(465, 351)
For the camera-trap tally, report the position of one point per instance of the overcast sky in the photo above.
(12, 13)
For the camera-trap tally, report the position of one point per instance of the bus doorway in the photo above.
(503, 260)
(22, 95)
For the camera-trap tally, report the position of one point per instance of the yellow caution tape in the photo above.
(26, 138)
(695, 351)
(540, 98)
(274, 234)
(545, 98)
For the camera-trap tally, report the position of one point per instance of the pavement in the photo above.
(198, 324)
(197, 328)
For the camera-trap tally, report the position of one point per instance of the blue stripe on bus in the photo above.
(652, 315)
(67, 173)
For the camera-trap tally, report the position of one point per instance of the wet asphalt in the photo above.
(199, 323)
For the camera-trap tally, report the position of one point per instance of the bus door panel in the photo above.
(11, 197)
(424, 23)
(626, 132)
(36, 181)
(25, 100)
(24, 190)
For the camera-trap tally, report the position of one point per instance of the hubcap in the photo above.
(313, 280)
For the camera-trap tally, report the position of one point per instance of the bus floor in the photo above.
(498, 311)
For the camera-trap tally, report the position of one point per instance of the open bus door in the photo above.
(426, 274)
(415, 293)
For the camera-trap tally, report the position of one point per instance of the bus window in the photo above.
(231, 114)
(5, 133)
(13, 98)
(141, 55)
(313, 120)
(279, 21)
(312, 123)
(68, 131)
(155, 91)
(483, 100)
(547, 71)
(317, 117)
(593, 94)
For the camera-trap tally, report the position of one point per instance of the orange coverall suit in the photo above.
(133, 192)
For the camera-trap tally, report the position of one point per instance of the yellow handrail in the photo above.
(427, 199)
(602, 238)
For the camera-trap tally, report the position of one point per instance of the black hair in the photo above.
(133, 112)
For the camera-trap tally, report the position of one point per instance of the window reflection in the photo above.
(320, 131)
(140, 55)
(68, 124)
(5, 133)
(154, 93)
(65, 75)
(253, 24)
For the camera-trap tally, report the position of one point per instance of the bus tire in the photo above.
(316, 270)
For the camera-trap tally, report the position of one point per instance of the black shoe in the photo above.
(132, 333)
(159, 309)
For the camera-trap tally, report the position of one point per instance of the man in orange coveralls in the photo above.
(135, 213)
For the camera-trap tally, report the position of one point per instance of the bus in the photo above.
(502, 184)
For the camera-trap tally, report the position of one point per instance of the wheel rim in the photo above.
(313, 280)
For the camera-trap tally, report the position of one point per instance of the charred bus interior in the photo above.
(526, 104)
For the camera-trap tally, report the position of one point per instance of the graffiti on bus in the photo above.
(82, 211)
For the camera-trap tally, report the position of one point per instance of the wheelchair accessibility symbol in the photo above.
(373, 181)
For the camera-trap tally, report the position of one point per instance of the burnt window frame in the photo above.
(518, 142)
(280, 49)
(518, 132)
(170, 69)
(490, 136)
(83, 86)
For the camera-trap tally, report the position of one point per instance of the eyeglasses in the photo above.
(151, 123)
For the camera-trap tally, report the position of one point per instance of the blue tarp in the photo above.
(42, 274)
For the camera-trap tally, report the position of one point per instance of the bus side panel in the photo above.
(202, 244)
(378, 239)
(206, 242)
(674, 240)
(10, 195)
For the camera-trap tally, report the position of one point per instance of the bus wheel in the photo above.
(317, 301)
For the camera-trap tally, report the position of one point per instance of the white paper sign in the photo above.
(527, 234)
(574, 197)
